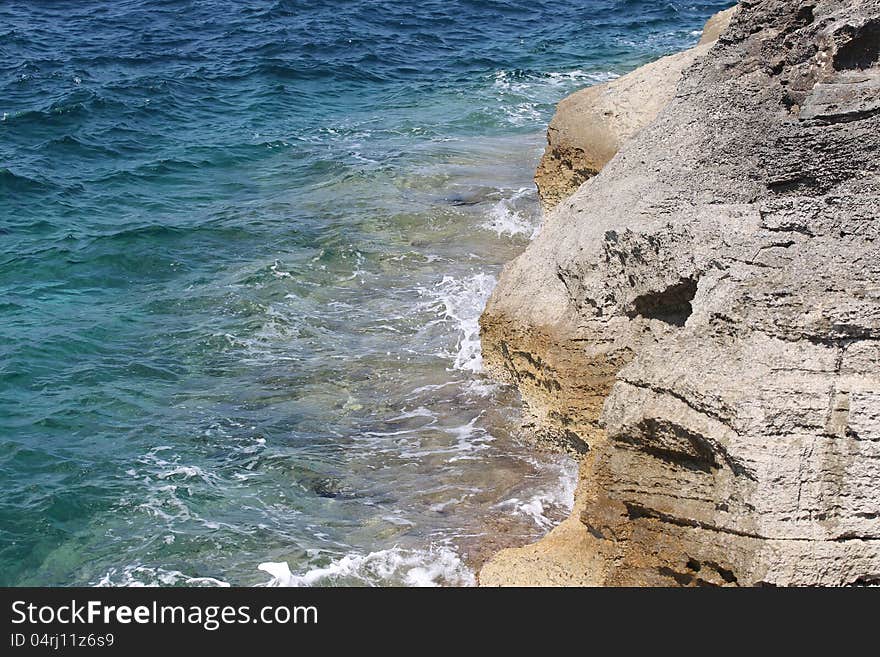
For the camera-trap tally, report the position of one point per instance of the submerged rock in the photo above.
(702, 319)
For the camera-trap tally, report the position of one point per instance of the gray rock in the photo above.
(704, 317)
(590, 125)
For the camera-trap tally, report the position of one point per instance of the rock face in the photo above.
(590, 125)
(702, 320)
(716, 24)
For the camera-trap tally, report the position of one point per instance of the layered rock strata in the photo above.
(701, 320)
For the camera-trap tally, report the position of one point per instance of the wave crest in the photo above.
(435, 566)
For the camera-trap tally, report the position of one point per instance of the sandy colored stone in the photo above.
(567, 556)
(701, 320)
(590, 125)
(716, 24)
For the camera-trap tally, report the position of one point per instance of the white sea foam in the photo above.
(421, 411)
(548, 504)
(469, 439)
(169, 487)
(163, 503)
(138, 576)
(279, 273)
(525, 96)
(187, 472)
(435, 566)
(522, 113)
(465, 442)
(481, 387)
(430, 388)
(505, 219)
(529, 84)
(440, 507)
(461, 301)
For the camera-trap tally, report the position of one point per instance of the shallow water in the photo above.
(242, 256)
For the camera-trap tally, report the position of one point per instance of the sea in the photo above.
(244, 247)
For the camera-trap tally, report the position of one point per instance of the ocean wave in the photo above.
(461, 301)
(546, 506)
(75, 105)
(165, 196)
(527, 82)
(528, 97)
(11, 182)
(146, 576)
(434, 566)
(468, 441)
(69, 145)
(506, 218)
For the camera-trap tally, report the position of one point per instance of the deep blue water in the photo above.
(243, 248)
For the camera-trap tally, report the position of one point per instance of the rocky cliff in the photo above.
(701, 321)
(591, 125)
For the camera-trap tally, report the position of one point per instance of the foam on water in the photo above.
(143, 576)
(482, 387)
(524, 96)
(434, 566)
(187, 472)
(467, 441)
(550, 503)
(528, 82)
(505, 218)
(461, 301)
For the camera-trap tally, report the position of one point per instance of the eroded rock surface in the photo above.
(590, 125)
(702, 319)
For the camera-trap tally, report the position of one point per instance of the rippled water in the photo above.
(243, 251)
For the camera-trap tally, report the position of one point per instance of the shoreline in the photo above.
(694, 316)
(588, 129)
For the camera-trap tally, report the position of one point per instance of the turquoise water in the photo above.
(242, 255)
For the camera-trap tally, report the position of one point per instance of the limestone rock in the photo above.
(591, 124)
(567, 556)
(702, 319)
(716, 24)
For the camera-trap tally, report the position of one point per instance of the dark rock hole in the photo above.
(805, 15)
(862, 50)
(672, 305)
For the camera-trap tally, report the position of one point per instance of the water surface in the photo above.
(243, 250)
